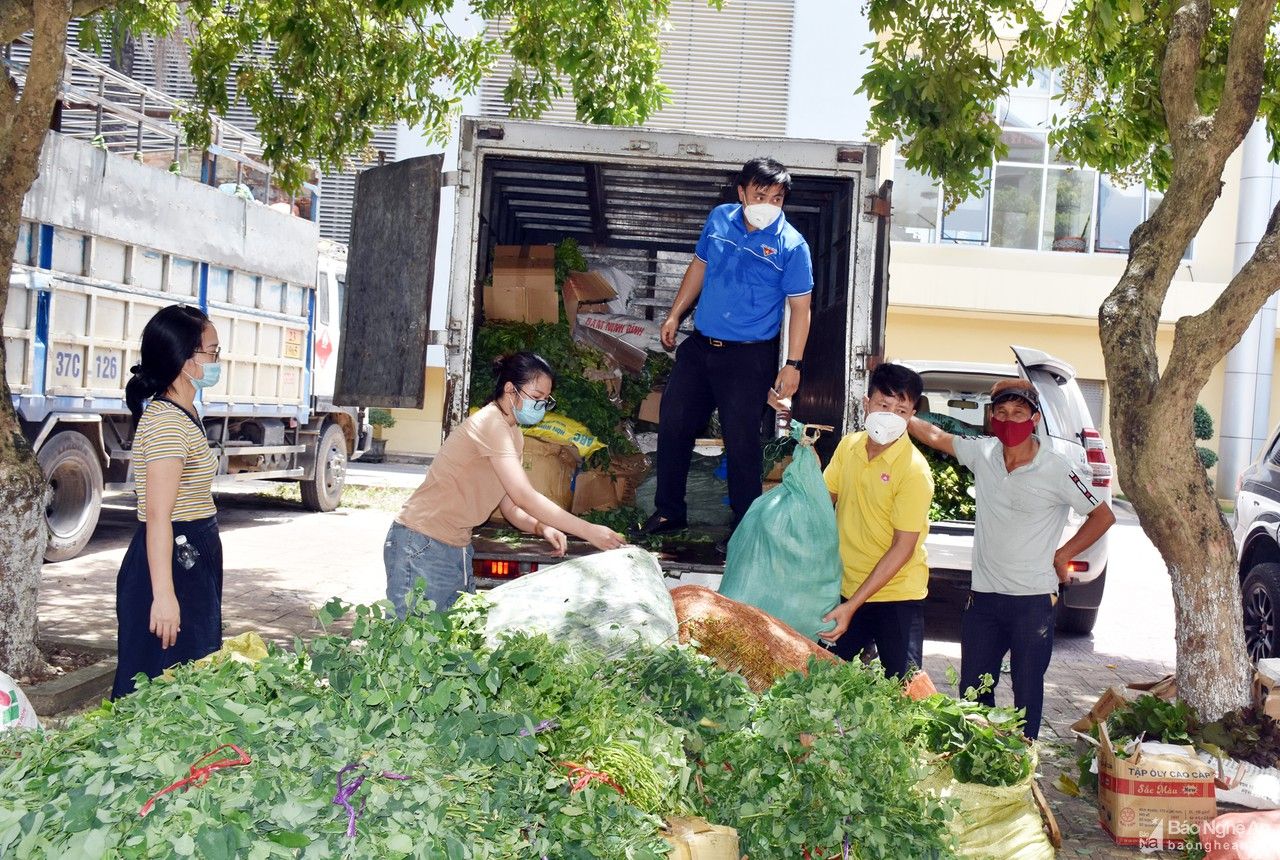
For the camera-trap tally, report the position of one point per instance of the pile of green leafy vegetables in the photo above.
(531, 750)
(578, 397)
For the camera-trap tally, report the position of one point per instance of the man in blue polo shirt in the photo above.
(748, 263)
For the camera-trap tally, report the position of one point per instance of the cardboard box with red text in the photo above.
(1152, 801)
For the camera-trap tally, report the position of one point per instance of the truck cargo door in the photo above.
(382, 355)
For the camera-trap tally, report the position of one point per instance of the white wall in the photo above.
(827, 64)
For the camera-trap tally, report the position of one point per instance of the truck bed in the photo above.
(688, 557)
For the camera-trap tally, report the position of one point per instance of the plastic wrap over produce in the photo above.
(16, 711)
(609, 600)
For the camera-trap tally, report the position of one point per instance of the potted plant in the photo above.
(380, 419)
(1071, 190)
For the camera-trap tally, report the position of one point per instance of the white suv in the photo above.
(1258, 539)
(955, 395)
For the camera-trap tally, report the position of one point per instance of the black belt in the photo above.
(719, 342)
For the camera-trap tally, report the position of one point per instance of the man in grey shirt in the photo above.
(1025, 492)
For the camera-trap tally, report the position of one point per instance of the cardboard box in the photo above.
(649, 407)
(1266, 687)
(524, 285)
(1152, 801)
(594, 491)
(589, 291)
(550, 468)
(698, 839)
(629, 472)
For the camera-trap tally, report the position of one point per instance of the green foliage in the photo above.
(576, 396)
(938, 74)
(380, 417)
(827, 757)
(982, 745)
(1208, 457)
(1202, 423)
(951, 485)
(1155, 720)
(484, 739)
(343, 69)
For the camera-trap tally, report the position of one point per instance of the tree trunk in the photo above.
(1164, 476)
(24, 121)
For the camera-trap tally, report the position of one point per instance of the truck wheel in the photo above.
(324, 490)
(1076, 621)
(75, 493)
(1261, 594)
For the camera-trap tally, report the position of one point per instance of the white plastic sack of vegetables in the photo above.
(991, 822)
(609, 601)
(15, 709)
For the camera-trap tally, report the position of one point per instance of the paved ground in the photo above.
(281, 562)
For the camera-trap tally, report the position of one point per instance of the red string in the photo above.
(200, 774)
(585, 776)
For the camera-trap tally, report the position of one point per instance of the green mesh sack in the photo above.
(784, 557)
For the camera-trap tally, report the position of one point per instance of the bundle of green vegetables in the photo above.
(411, 739)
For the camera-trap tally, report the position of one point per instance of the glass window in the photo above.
(915, 206)
(1027, 146)
(1068, 207)
(1015, 220)
(1119, 212)
(322, 299)
(967, 223)
(1153, 200)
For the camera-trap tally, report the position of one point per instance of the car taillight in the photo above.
(1095, 452)
(497, 568)
(1077, 566)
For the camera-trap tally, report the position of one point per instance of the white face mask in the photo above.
(761, 215)
(885, 427)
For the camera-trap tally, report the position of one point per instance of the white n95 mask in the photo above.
(885, 427)
(761, 215)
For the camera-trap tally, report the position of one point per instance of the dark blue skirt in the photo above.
(199, 593)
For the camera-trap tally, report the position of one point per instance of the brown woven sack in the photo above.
(741, 638)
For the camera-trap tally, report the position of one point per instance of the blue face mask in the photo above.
(209, 375)
(531, 412)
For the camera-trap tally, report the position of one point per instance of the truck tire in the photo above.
(324, 490)
(1261, 594)
(1080, 620)
(74, 473)
(1076, 621)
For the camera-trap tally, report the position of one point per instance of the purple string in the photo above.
(544, 726)
(347, 790)
(344, 795)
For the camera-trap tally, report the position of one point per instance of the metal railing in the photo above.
(116, 113)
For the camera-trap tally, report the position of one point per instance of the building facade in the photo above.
(1028, 263)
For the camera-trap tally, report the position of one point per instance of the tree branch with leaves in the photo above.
(320, 77)
(1161, 93)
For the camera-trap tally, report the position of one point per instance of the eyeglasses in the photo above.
(549, 402)
(215, 352)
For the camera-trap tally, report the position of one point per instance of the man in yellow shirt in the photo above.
(882, 488)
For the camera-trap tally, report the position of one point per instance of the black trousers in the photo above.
(895, 627)
(199, 593)
(1018, 625)
(735, 379)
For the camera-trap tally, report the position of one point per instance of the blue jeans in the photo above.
(412, 557)
(1020, 625)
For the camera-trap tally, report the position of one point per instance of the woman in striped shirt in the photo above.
(169, 589)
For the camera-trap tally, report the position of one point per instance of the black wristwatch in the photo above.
(797, 363)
